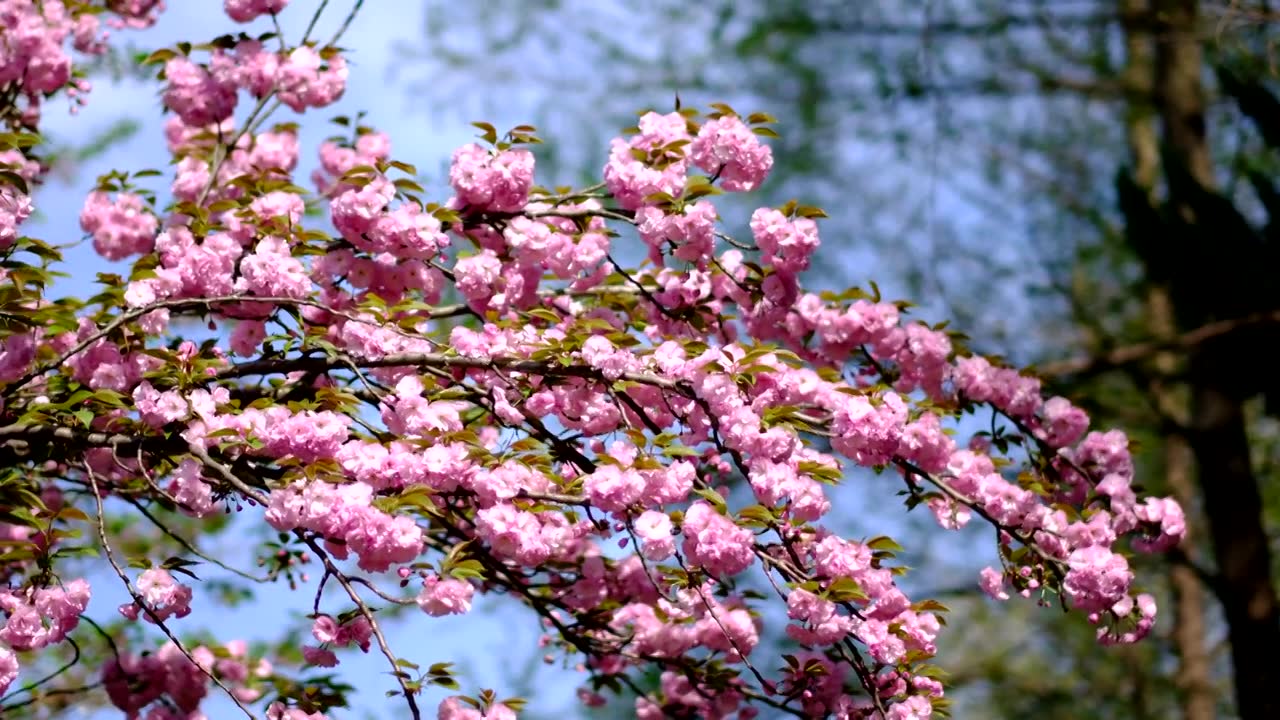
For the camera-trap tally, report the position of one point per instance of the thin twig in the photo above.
(37, 683)
(368, 615)
(141, 602)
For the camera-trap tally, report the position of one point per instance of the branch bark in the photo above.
(1090, 365)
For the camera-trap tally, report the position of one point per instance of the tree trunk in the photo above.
(1217, 432)
(1195, 676)
(1234, 509)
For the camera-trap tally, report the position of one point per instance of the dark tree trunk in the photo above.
(1234, 510)
(1217, 432)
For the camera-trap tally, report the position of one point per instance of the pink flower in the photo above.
(613, 488)
(15, 208)
(1097, 578)
(785, 244)
(8, 668)
(244, 11)
(200, 97)
(319, 657)
(915, 707)
(992, 582)
(632, 180)
(821, 623)
(513, 534)
(162, 595)
(43, 616)
(487, 181)
(1063, 423)
(158, 408)
(655, 532)
(727, 148)
(445, 596)
(867, 432)
(306, 79)
(1165, 523)
(271, 271)
(690, 233)
(120, 227)
(478, 277)
(325, 629)
(714, 543)
(356, 631)
(611, 361)
(189, 488)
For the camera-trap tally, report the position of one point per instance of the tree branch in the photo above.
(1086, 366)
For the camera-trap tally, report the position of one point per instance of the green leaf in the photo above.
(713, 497)
(490, 134)
(845, 590)
(883, 542)
(467, 569)
(159, 56)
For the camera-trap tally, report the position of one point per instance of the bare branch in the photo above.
(1119, 357)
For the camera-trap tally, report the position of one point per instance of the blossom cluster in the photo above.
(629, 453)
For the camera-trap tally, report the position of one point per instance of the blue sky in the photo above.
(496, 643)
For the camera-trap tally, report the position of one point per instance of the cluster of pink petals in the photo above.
(173, 686)
(726, 148)
(685, 623)
(346, 517)
(244, 11)
(15, 205)
(102, 365)
(338, 159)
(631, 180)
(120, 227)
(253, 154)
(690, 233)
(32, 40)
(42, 616)
(200, 95)
(161, 596)
(332, 634)
(785, 244)
(207, 94)
(308, 435)
(15, 208)
(714, 542)
(683, 697)
(17, 352)
(304, 79)
(491, 181)
(445, 596)
(8, 668)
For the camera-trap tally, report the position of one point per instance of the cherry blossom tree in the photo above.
(420, 400)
